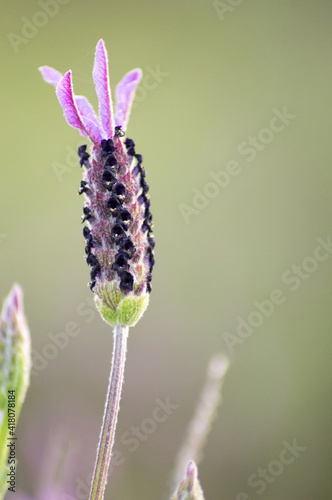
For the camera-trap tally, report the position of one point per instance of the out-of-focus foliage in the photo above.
(15, 366)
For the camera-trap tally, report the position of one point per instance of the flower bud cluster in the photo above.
(118, 235)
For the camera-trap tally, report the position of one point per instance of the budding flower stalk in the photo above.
(119, 243)
(15, 366)
(15, 355)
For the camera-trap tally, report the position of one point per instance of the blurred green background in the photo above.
(223, 77)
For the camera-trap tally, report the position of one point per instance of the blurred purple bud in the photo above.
(190, 488)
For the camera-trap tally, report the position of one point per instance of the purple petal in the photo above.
(50, 75)
(65, 94)
(100, 77)
(125, 92)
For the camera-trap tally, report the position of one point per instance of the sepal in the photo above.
(116, 308)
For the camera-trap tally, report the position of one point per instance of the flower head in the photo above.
(119, 240)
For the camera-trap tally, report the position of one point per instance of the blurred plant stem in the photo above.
(111, 411)
(200, 425)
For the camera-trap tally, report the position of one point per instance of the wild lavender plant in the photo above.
(119, 243)
(120, 251)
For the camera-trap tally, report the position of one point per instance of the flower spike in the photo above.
(118, 236)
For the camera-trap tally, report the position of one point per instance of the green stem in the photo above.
(112, 405)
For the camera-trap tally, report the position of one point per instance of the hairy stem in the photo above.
(111, 411)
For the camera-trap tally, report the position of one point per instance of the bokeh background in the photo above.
(222, 74)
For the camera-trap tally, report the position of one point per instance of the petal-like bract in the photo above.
(65, 94)
(89, 118)
(100, 77)
(50, 75)
(125, 92)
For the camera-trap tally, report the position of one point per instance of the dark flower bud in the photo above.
(81, 149)
(143, 173)
(86, 214)
(110, 160)
(127, 246)
(119, 189)
(127, 281)
(108, 176)
(86, 232)
(92, 260)
(148, 218)
(84, 157)
(113, 203)
(117, 232)
(83, 188)
(131, 151)
(125, 216)
(107, 147)
(145, 187)
(120, 263)
(94, 271)
(129, 143)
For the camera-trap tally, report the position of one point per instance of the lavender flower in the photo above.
(119, 240)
